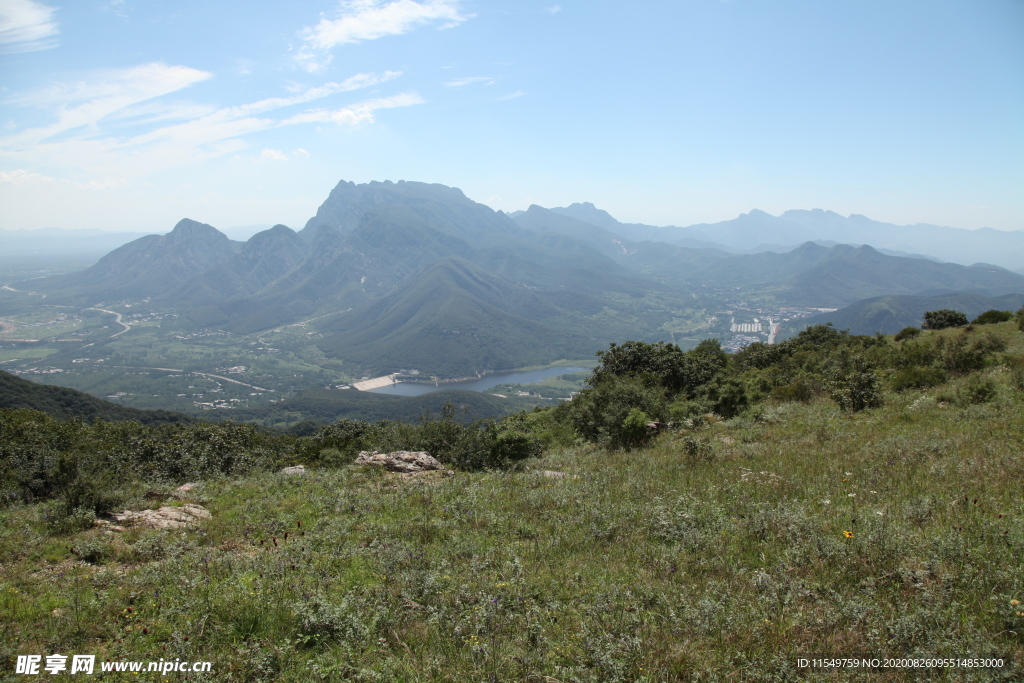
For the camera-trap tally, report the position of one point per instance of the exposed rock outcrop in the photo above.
(167, 517)
(400, 461)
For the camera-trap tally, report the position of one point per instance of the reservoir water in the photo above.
(482, 384)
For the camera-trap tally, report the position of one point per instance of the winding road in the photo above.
(126, 326)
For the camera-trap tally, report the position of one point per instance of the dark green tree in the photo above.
(943, 318)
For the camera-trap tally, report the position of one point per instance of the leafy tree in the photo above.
(820, 336)
(661, 364)
(759, 355)
(944, 318)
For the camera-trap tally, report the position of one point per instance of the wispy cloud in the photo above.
(277, 155)
(273, 155)
(21, 177)
(469, 80)
(510, 96)
(360, 20)
(554, 9)
(97, 122)
(355, 114)
(26, 26)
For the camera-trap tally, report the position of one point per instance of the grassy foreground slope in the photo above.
(724, 550)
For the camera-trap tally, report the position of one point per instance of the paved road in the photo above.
(126, 326)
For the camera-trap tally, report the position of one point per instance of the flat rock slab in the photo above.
(298, 469)
(400, 461)
(167, 517)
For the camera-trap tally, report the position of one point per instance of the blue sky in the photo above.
(129, 115)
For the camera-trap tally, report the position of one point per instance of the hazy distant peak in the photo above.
(188, 227)
(587, 212)
(348, 202)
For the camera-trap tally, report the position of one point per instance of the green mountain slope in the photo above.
(453, 320)
(66, 404)
(325, 406)
(150, 266)
(890, 314)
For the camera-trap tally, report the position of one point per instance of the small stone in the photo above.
(185, 488)
(297, 469)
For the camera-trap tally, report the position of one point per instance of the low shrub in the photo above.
(907, 333)
(976, 390)
(916, 377)
(991, 317)
(855, 386)
(797, 391)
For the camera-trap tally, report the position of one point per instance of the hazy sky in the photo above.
(129, 115)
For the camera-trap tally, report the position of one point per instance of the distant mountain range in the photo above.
(414, 275)
(758, 231)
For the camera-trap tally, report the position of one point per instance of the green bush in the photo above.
(855, 386)
(907, 333)
(991, 317)
(944, 318)
(726, 397)
(799, 390)
(91, 549)
(960, 354)
(79, 487)
(59, 522)
(599, 414)
(976, 390)
(635, 431)
(916, 377)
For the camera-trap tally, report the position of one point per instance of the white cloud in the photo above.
(26, 26)
(21, 176)
(95, 128)
(510, 96)
(356, 114)
(273, 155)
(300, 153)
(554, 9)
(469, 80)
(360, 20)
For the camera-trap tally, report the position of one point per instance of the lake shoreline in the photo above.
(479, 383)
